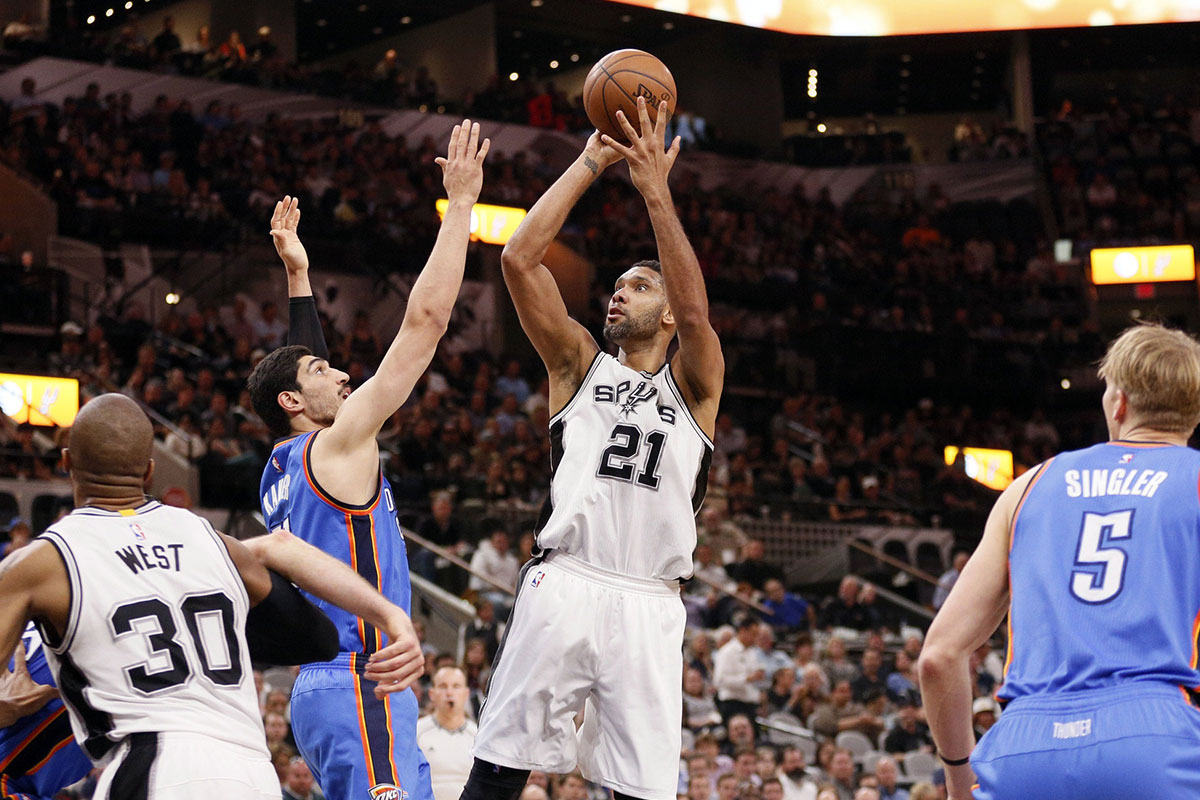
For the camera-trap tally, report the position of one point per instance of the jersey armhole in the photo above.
(587, 377)
(328, 498)
(684, 407)
(52, 640)
(224, 549)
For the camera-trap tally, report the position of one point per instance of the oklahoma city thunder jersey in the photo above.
(367, 537)
(630, 469)
(1105, 571)
(38, 754)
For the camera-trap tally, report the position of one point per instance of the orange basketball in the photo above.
(616, 82)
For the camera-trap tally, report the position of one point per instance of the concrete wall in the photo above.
(459, 51)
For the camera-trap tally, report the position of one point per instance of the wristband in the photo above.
(954, 762)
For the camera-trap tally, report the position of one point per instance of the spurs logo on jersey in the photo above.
(630, 468)
(155, 638)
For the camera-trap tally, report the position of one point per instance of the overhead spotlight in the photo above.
(1065, 383)
(129, 5)
(554, 64)
(172, 298)
(821, 128)
(574, 57)
(91, 19)
(405, 20)
(812, 73)
(108, 13)
(812, 93)
(512, 76)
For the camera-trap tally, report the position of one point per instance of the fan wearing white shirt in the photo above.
(736, 670)
(446, 736)
(494, 558)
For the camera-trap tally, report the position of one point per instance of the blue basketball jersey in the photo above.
(1104, 566)
(367, 537)
(38, 753)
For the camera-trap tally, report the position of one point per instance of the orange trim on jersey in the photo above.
(1012, 535)
(32, 735)
(387, 710)
(50, 755)
(362, 635)
(362, 717)
(1195, 643)
(1139, 445)
(284, 441)
(320, 493)
(378, 582)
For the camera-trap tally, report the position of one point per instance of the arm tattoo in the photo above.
(591, 164)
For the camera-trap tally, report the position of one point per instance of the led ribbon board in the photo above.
(489, 224)
(1143, 264)
(39, 400)
(992, 468)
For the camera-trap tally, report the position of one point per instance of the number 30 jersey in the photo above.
(155, 638)
(1104, 571)
(629, 472)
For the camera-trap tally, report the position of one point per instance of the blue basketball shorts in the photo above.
(358, 747)
(1134, 740)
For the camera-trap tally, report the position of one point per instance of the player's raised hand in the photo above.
(602, 155)
(284, 224)
(401, 663)
(20, 695)
(462, 168)
(649, 162)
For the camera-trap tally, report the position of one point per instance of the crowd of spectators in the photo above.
(1126, 172)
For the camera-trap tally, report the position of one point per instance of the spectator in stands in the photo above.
(745, 760)
(870, 679)
(770, 658)
(903, 679)
(949, 577)
(446, 736)
(789, 612)
(18, 534)
(494, 560)
(753, 568)
(299, 784)
(984, 711)
(844, 610)
(720, 533)
(841, 713)
(886, 774)
(485, 628)
(442, 528)
(793, 777)
(740, 736)
(908, 732)
(736, 671)
(835, 665)
(166, 45)
(699, 709)
(783, 694)
(841, 773)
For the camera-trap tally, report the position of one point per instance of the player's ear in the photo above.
(149, 474)
(290, 401)
(66, 459)
(667, 317)
(1120, 406)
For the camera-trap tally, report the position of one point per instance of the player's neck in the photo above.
(110, 496)
(1135, 432)
(648, 356)
(451, 721)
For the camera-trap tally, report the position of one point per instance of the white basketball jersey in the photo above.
(155, 641)
(630, 469)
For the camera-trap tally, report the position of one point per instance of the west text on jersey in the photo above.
(140, 557)
(1105, 482)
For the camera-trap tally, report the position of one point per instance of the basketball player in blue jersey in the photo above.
(38, 754)
(597, 624)
(1095, 556)
(323, 481)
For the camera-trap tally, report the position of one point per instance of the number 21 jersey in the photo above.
(155, 639)
(1105, 571)
(629, 472)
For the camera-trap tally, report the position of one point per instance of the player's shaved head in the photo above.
(111, 439)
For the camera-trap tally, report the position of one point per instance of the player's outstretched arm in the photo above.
(564, 345)
(429, 304)
(396, 666)
(304, 326)
(972, 612)
(701, 366)
(33, 583)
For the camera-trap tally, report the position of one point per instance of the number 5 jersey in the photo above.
(630, 469)
(1104, 565)
(155, 640)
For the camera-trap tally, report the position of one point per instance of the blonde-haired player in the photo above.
(1103, 549)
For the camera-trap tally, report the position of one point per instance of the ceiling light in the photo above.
(512, 76)
(91, 19)
(405, 20)
(554, 64)
(574, 57)
(821, 128)
(108, 13)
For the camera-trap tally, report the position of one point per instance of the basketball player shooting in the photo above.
(598, 620)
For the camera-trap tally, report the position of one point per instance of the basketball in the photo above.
(616, 82)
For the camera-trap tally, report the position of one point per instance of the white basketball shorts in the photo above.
(185, 766)
(583, 638)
